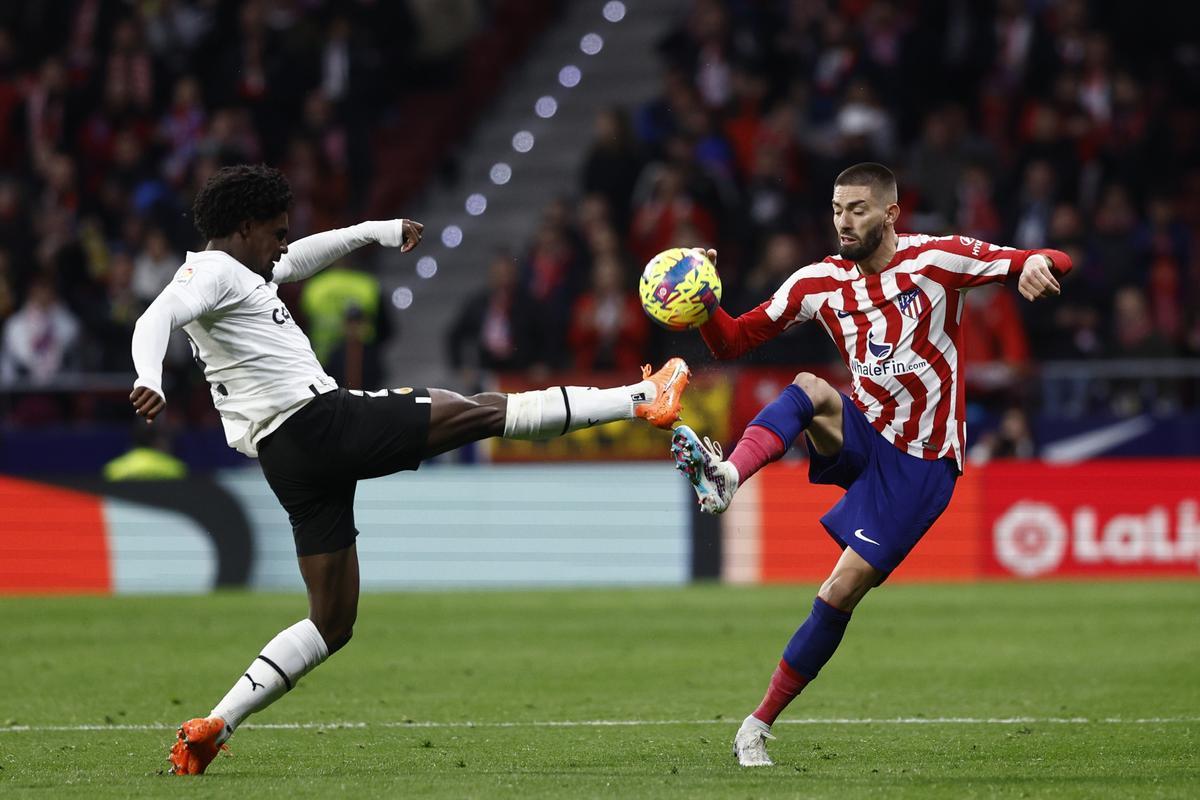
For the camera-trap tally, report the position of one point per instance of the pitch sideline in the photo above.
(616, 723)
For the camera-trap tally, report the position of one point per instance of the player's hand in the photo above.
(411, 234)
(147, 403)
(1037, 279)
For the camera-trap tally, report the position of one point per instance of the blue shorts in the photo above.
(891, 498)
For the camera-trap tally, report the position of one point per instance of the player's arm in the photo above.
(728, 337)
(1039, 274)
(188, 296)
(963, 263)
(312, 254)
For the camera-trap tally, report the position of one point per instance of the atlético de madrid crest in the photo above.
(912, 303)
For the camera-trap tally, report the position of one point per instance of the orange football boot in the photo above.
(196, 746)
(670, 381)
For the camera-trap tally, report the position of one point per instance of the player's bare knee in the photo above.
(335, 624)
(336, 630)
(845, 588)
(822, 395)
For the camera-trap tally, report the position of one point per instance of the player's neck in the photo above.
(883, 255)
(225, 245)
(229, 247)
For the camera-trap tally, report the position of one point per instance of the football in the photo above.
(680, 288)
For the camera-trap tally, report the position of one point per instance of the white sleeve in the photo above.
(312, 254)
(189, 295)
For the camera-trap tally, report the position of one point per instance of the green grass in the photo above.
(700, 655)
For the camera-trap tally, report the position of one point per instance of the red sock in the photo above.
(758, 447)
(786, 683)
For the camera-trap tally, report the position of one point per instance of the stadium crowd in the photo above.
(1062, 124)
(113, 113)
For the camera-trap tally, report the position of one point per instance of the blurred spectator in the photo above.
(1113, 258)
(37, 342)
(111, 317)
(182, 129)
(1011, 438)
(935, 163)
(1134, 332)
(613, 164)
(8, 292)
(154, 266)
(490, 331)
(356, 362)
(995, 350)
(150, 457)
(1135, 337)
(609, 330)
(978, 216)
(550, 279)
(327, 297)
(657, 220)
(1035, 204)
(129, 81)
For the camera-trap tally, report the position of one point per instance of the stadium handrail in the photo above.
(1121, 368)
(72, 382)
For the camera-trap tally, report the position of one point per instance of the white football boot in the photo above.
(750, 743)
(714, 479)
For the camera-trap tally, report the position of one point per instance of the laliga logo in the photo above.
(1032, 538)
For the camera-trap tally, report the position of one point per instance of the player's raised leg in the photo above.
(807, 404)
(456, 420)
(811, 646)
(332, 583)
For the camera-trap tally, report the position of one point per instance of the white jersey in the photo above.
(260, 366)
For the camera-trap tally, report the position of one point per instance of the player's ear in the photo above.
(891, 213)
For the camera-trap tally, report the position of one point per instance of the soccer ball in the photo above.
(680, 288)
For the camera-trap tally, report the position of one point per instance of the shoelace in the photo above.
(714, 448)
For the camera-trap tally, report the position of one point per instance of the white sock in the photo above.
(546, 413)
(754, 722)
(292, 654)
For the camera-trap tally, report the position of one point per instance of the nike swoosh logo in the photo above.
(858, 534)
(592, 422)
(843, 314)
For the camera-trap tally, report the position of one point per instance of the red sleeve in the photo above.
(729, 338)
(1062, 261)
(962, 262)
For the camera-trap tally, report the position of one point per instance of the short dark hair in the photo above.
(234, 195)
(868, 173)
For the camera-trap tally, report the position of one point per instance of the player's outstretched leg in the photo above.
(456, 420)
(547, 413)
(332, 582)
(809, 403)
(811, 646)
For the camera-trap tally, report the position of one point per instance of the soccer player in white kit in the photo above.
(314, 440)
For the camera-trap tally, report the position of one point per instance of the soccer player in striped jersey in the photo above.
(314, 440)
(892, 304)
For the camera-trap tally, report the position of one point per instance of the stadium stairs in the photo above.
(623, 73)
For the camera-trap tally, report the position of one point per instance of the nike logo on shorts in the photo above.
(858, 534)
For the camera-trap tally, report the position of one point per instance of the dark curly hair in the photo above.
(234, 195)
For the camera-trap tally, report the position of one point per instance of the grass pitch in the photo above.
(446, 694)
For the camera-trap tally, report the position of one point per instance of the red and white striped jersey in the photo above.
(898, 331)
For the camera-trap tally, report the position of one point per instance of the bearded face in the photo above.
(851, 247)
(860, 219)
